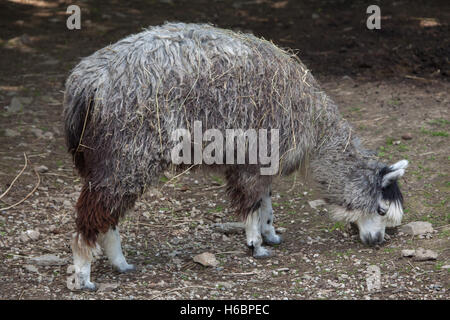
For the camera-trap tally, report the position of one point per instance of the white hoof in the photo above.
(272, 240)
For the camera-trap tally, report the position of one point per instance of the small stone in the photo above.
(417, 228)
(31, 268)
(373, 279)
(28, 235)
(53, 229)
(107, 287)
(425, 254)
(33, 234)
(168, 175)
(408, 253)
(396, 142)
(37, 132)
(41, 169)
(227, 285)
(17, 104)
(334, 284)
(48, 260)
(24, 237)
(67, 204)
(206, 259)
(11, 133)
(155, 192)
(48, 135)
(407, 136)
(281, 229)
(316, 203)
(195, 212)
(446, 267)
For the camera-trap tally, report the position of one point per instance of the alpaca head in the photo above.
(376, 204)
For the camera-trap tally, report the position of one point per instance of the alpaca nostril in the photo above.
(376, 239)
(367, 239)
(379, 238)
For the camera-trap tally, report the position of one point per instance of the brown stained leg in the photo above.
(98, 213)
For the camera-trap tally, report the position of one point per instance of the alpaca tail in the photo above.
(77, 103)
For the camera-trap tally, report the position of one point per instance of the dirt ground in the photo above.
(388, 83)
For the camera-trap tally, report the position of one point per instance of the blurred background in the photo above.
(330, 35)
(392, 84)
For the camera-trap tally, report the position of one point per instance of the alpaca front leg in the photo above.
(253, 234)
(266, 222)
(111, 245)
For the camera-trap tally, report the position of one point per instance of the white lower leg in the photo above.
(82, 258)
(253, 233)
(110, 242)
(266, 222)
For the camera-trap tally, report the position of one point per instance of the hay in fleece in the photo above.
(122, 103)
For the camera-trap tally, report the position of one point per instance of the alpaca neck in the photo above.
(340, 163)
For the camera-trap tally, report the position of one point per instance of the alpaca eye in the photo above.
(381, 211)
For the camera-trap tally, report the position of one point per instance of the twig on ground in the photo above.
(417, 78)
(178, 175)
(38, 155)
(294, 183)
(369, 120)
(426, 153)
(214, 187)
(230, 252)
(240, 274)
(17, 177)
(29, 194)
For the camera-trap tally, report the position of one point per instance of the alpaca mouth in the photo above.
(373, 239)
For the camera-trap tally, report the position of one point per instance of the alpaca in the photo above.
(123, 103)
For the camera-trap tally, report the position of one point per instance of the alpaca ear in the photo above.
(402, 164)
(395, 172)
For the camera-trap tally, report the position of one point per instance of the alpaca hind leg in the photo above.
(253, 234)
(83, 255)
(266, 222)
(97, 213)
(110, 242)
